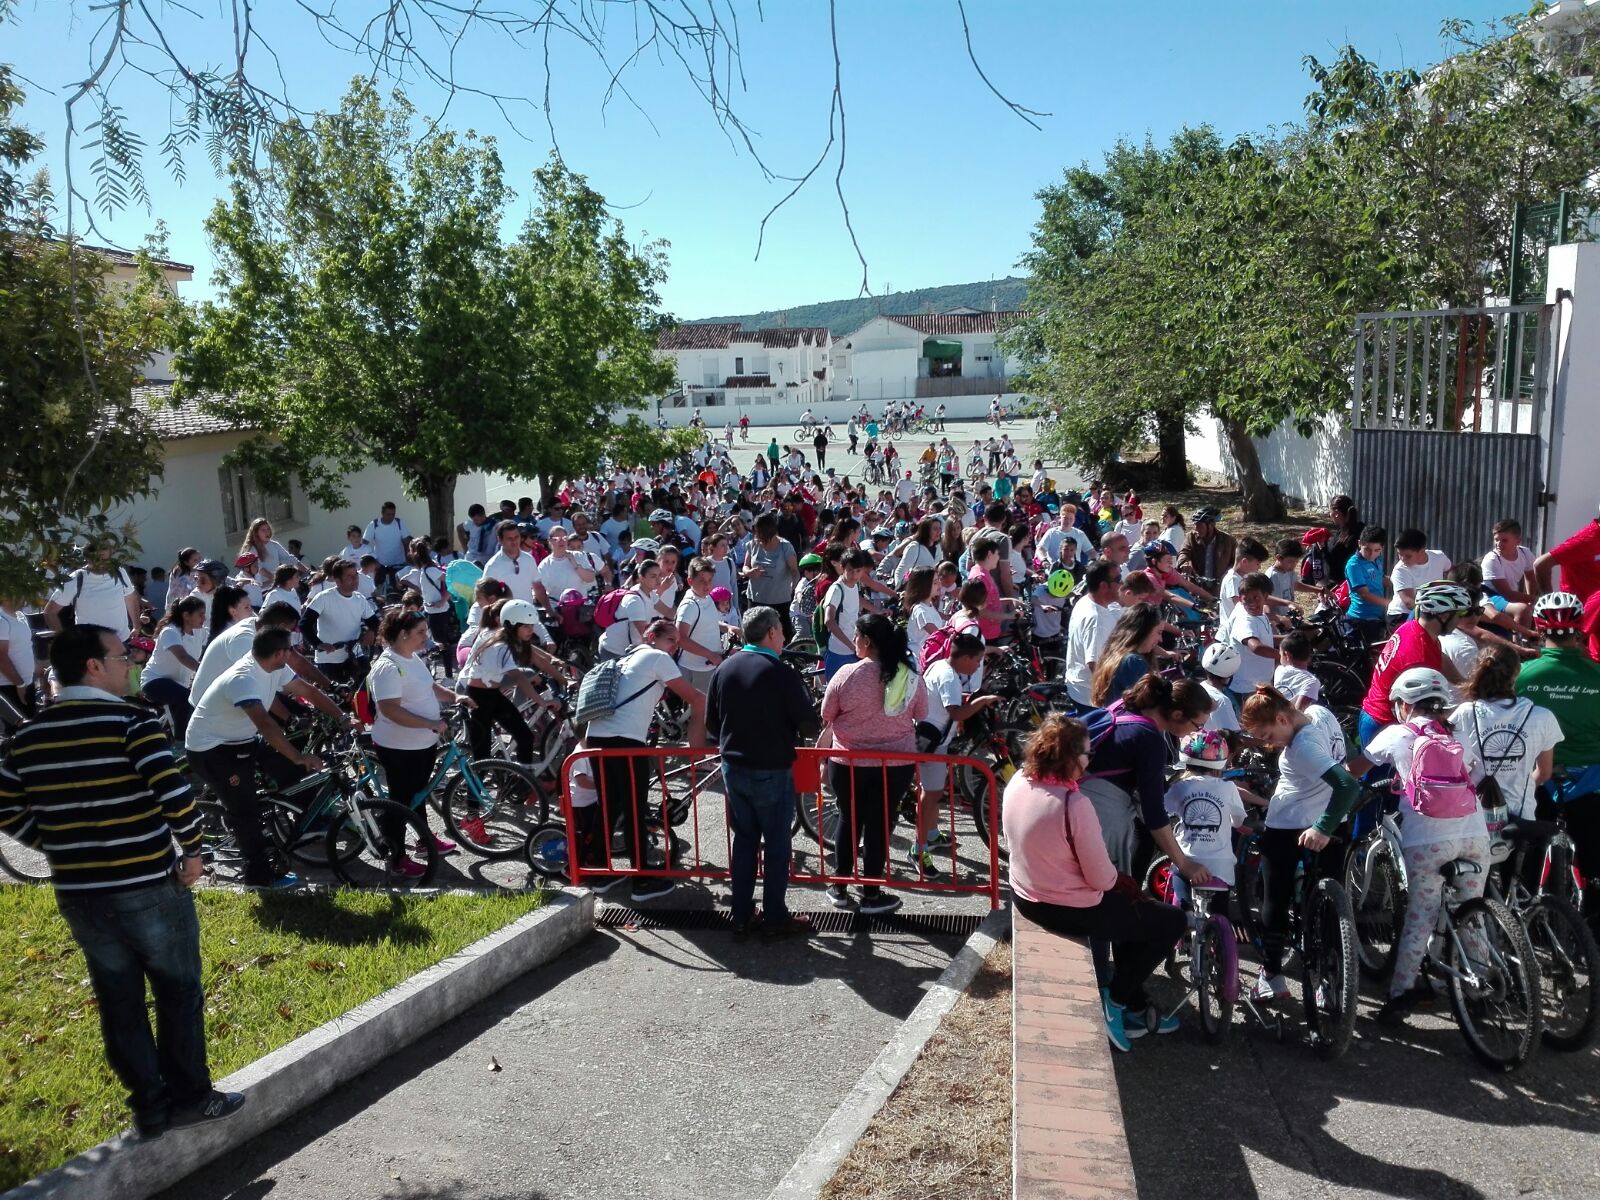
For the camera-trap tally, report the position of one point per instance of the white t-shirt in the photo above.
(1253, 668)
(620, 634)
(1228, 595)
(643, 668)
(1462, 651)
(1283, 583)
(559, 575)
(339, 619)
(282, 596)
(1088, 630)
(388, 541)
(408, 680)
(1393, 745)
(1302, 795)
(366, 586)
(222, 651)
(488, 665)
(1404, 576)
(945, 687)
(922, 621)
(1132, 530)
(1224, 716)
(355, 554)
(519, 573)
(700, 614)
(269, 558)
(1053, 545)
(221, 716)
(584, 795)
(18, 637)
(847, 602)
(429, 582)
(102, 600)
(1296, 683)
(913, 556)
(1509, 572)
(163, 665)
(1507, 737)
(1206, 811)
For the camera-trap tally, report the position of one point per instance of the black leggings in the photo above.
(1141, 932)
(439, 630)
(868, 809)
(1280, 859)
(406, 772)
(492, 707)
(174, 697)
(624, 794)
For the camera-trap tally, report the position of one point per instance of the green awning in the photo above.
(941, 349)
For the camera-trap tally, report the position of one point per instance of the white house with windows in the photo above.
(925, 356)
(724, 370)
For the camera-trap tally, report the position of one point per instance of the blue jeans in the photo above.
(150, 932)
(761, 814)
(1367, 728)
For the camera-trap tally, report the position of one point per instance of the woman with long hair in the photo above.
(1174, 529)
(873, 703)
(1344, 535)
(229, 606)
(180, 641)
(1512, 736)
(267, 554)
(1129, 654)
(1063, 879)
(921, 549)
(951, 543)
(427, 577)
(181, 580)
(922, 617)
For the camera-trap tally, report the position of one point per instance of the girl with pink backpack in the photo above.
(1441, 820)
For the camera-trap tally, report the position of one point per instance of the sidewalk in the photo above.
(650, 1063)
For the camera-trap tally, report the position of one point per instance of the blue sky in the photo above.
(940, 177)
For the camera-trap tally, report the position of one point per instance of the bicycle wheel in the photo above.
(493, 818)
(364, 853)
(1498, 1010)
(1328, 971)
(1216, 977)
(806, 807)
(1159, 884)
(1342, 687)
(1251, 890)
(1569, 961)
(296, 837)
(546, 852)
(23, 863)
(802, 434)
(1377, 901)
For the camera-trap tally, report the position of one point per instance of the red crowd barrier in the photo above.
(662, 788)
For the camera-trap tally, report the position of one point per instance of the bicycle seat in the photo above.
(1214, 885)
(1460, 867)
(1046, 692)
(1532, 833)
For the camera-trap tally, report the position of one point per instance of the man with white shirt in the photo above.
(99, 593)
(554, 517)
(699, 627)
(1509, 566)
(336, 620)
(476, 535)
(1064, 542)
(566, 569)
(514, 566)
(1089, 628)
(1415, 565)
(388, 537)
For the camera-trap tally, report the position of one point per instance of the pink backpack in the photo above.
(605, 612)
(1439, 785)
(937, 645)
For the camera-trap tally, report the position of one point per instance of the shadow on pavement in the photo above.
(315, 915)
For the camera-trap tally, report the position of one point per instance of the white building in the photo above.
(724, 370)
(925, 356)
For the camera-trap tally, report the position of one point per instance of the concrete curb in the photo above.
(292, 1077)
(818, 1161)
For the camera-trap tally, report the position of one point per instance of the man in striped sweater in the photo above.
(91, 782)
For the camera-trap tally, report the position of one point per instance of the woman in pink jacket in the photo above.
(1062, 878)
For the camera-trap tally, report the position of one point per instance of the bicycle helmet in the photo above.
(519, 612)
(1059, 582)
(1442, 599)
(1155, 550)
(1558, 610)
(660, 516)
(720, 595)
(1221, 659)
(811, 560)
(645, 546)
(213, 568)
(1417, 684)
(1204, 748)
(247, 559)
(903, 529)
(1206, 516)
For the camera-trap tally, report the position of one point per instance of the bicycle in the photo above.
(1323, 937)
(489, 805)
(1212, 943)
(1375, 879)
(804, 433)
(976, 472)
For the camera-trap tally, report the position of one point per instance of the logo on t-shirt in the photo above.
(1202, 818)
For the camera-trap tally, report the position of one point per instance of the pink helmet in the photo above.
(721, 595)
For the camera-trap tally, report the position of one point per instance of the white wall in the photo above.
(1311, 470)
(787, 415)
(1575, 411)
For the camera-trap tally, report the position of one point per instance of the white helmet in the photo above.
(519, 612)
(1442, 599)
(1221, 659)
(1418, 684)
(1558, 610)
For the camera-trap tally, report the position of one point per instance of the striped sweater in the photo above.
(92, 783)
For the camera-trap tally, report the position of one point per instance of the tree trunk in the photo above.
(1261, 501)
(440, 492)
(1172, 462)
(547, 487)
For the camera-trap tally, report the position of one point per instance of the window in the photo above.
(738, 366)
(243, 501)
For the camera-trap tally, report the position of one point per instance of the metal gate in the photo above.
(1449, 418)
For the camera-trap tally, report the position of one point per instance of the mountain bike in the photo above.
(1375, 879)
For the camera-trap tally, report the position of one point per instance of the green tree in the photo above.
(584, 330)
(72, 344)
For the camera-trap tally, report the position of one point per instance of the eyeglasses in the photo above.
(115, 657)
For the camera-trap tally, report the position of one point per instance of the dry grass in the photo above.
(945, 1133)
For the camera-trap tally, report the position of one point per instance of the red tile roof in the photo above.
(176, 421)
(127, 258)
(718, 335)
(696, 337)
(948, 324)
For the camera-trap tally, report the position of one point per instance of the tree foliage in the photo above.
(72, 344)
(370, 312)
(1202, 278)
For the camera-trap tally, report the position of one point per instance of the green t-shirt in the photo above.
(1567, 682)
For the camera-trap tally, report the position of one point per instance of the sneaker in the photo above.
(475, 832)
(601, 884)
(924, 862)
(442, 845)
(651, 889)
(218, 1106)
(877, 902)
(1139, 1022)
(794, 923)
(278, 883)
(1116, 1031)
(1395, 1008)
(838, 897)
(749, 924)
(407, 867)
(938, 838)
(1269, 988)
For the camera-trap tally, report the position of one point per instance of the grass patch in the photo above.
(945, 1133)
(274, 966)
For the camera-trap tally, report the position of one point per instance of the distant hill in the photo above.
(847, 316)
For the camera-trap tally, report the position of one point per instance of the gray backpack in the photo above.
(599, 691)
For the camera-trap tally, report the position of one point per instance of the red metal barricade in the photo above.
(658, 790)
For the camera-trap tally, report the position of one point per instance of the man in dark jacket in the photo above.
(1207, 553)
(758, 711)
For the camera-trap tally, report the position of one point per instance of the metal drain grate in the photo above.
(962, 925)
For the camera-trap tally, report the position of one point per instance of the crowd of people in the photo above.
(689, 579)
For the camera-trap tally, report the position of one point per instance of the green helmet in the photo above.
(1059, 582)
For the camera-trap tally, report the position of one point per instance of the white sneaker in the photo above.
(1269, 988)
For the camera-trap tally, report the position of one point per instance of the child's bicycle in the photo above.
(1212, 945)
(1322, 935)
